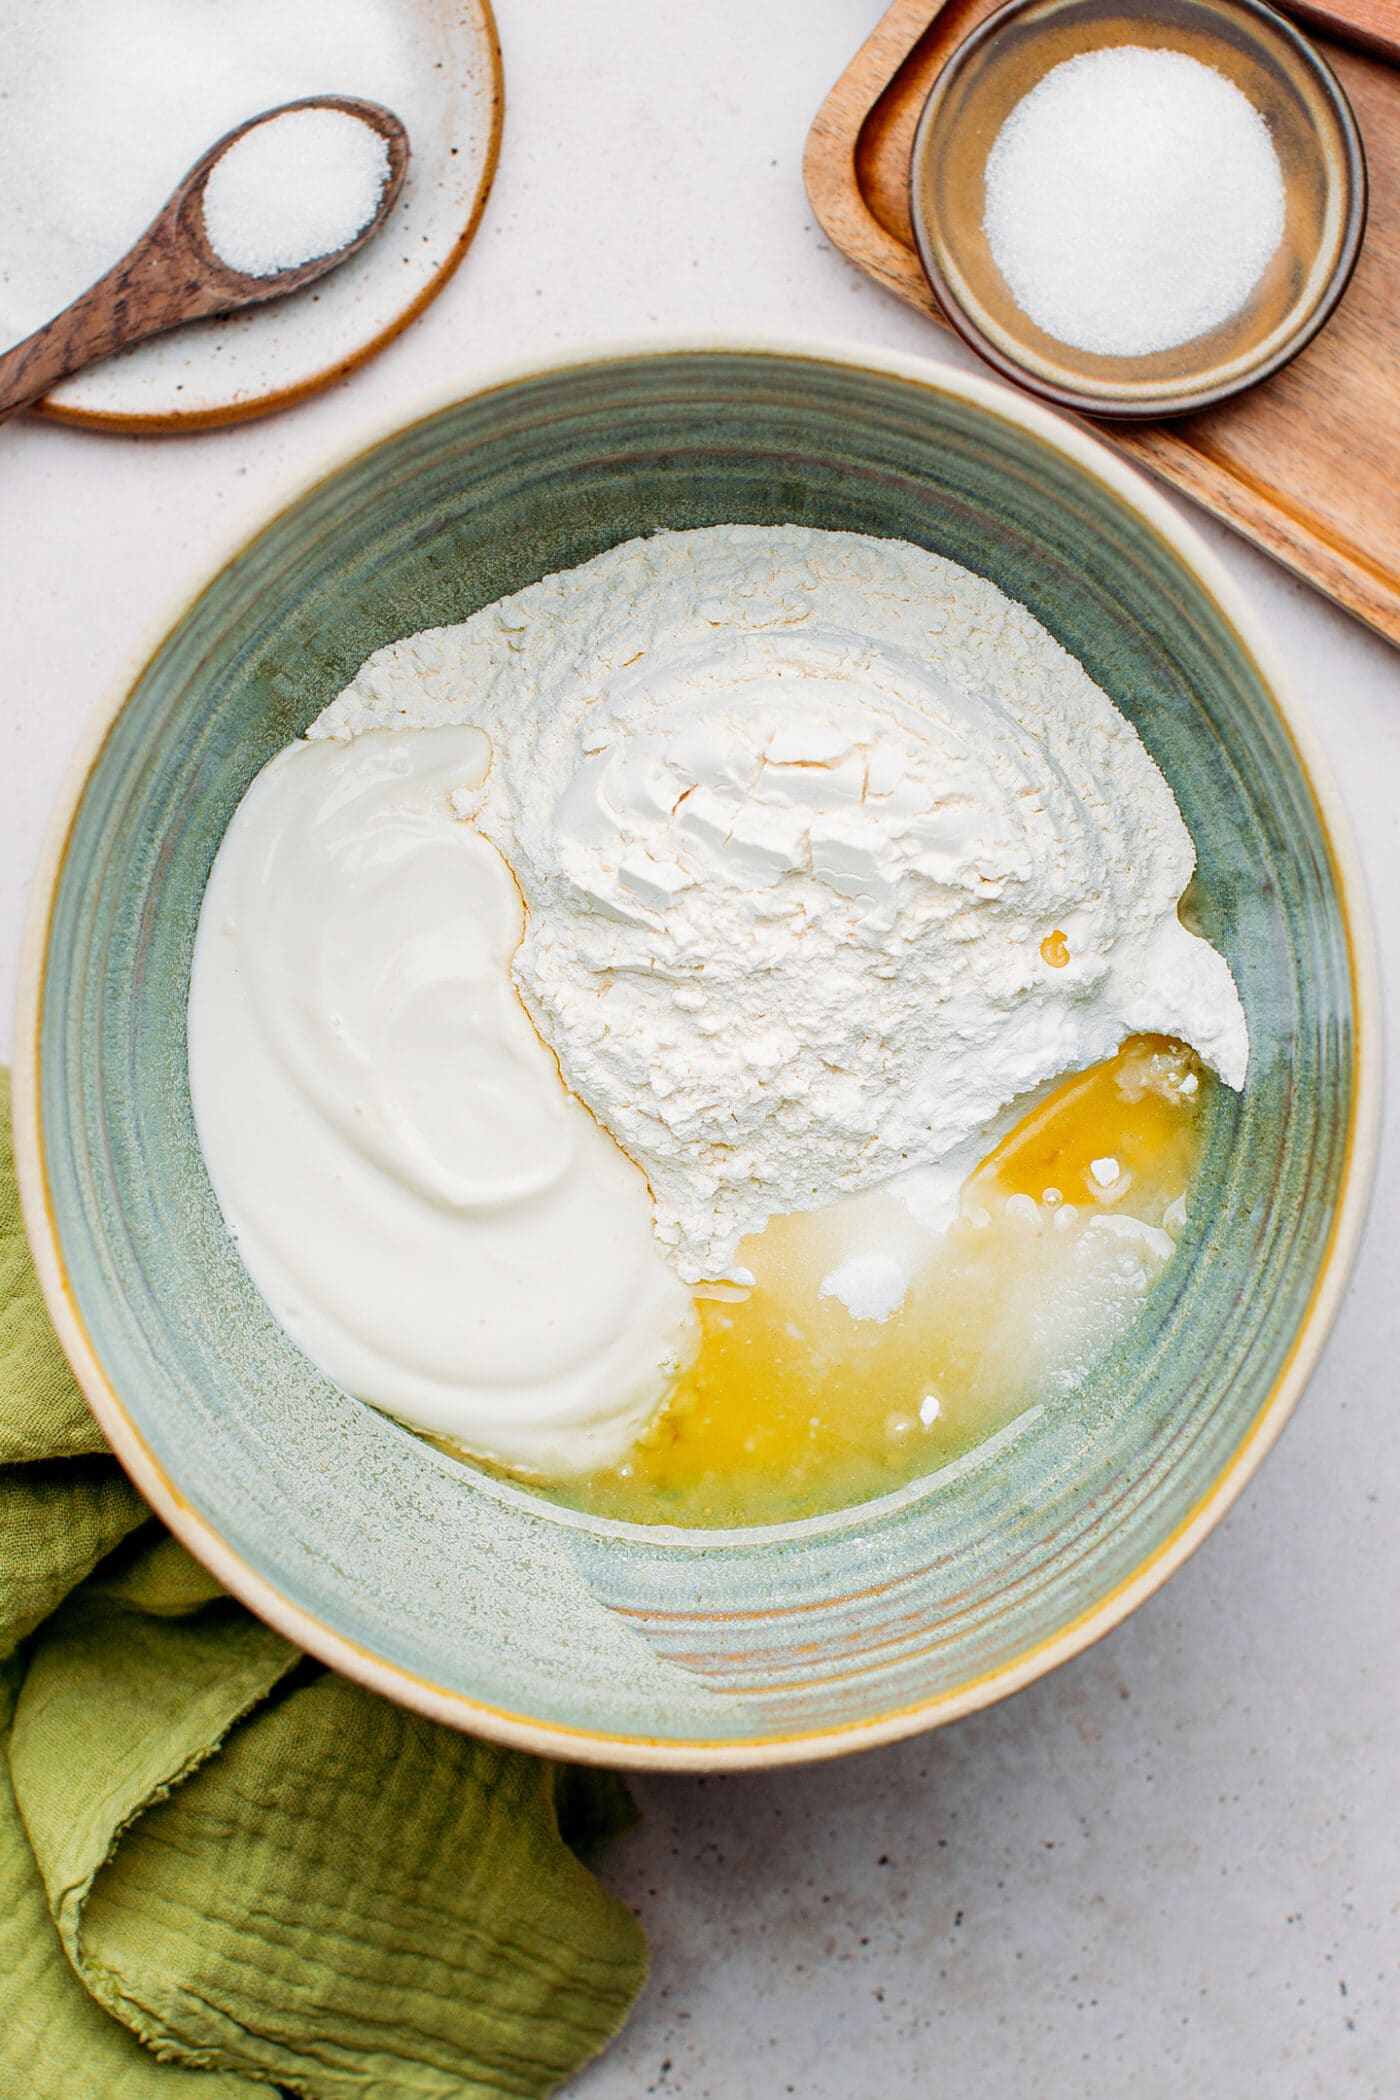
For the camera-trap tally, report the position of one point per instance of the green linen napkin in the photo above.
(222, 1867)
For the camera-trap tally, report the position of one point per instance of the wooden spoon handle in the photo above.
(156, 286)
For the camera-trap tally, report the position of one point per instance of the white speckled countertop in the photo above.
(1173, 1868)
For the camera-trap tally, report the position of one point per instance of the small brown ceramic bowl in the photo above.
(1314, 134)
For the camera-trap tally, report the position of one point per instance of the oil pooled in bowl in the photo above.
(794, 1406)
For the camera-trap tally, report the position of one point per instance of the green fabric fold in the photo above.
(56, 2043)
(42, 1411)
(222, 1867)
(57, 1521)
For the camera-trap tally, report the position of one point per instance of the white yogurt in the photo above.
(428, 1212)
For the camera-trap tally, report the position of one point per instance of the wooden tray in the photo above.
(1308, 464)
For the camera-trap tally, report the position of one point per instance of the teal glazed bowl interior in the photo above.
(468, 1597)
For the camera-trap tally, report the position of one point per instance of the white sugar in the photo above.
(299, 186)
(1133, 200)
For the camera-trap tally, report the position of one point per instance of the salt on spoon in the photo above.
(298, 185)
(274, 205)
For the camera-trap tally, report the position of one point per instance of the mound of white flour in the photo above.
(796, 815)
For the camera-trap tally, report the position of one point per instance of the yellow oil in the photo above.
(793, 1405)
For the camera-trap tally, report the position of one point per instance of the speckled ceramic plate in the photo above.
(472, 1600)
(184, 76)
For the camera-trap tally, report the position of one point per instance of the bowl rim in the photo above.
(578, 1745)
(1268, 26)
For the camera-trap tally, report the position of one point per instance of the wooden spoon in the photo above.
(173, 275)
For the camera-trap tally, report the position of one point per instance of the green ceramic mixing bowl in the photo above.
(468, 1598)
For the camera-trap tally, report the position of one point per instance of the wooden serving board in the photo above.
(1308, 463)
